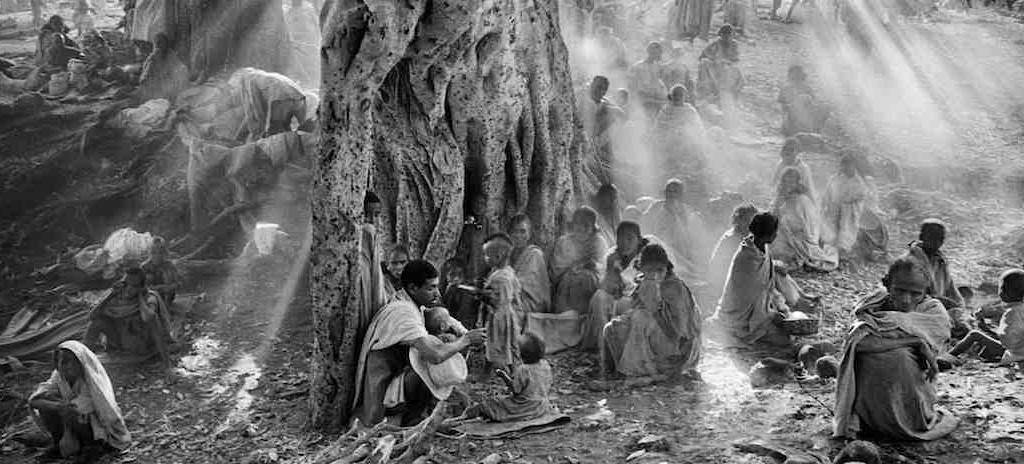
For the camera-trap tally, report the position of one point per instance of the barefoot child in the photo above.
(502, 290)
(1009, 347)
(529, 384)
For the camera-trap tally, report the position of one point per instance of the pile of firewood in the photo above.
(383, 443)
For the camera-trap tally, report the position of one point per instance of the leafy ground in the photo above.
(238, 393)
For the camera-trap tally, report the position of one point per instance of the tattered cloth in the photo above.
(882, 388)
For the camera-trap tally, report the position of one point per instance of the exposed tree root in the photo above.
(384, 444)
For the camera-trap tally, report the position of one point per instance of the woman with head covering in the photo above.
(846, 206)
(660, 334)
(576, 263)
(886, 381)
(76, 404)
(681, 133)
(530, 265)
(681, 229)
(800, 227)
(754, 300)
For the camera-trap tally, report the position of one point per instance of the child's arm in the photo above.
(508, 380)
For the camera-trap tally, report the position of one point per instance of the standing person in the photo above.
(530, 265)
(371, 282)
(576, 263)
(393, 268)
(302, 22)
(504, 316)
(37, 12)
(645, 81)
(76, 405)
(690, 19)
(387, 383)
(926, 250)
(600, 117)
(83, 17)
(886, 380)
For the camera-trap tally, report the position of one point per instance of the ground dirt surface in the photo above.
(238, 392)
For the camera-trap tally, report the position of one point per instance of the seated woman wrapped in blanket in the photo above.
(615, 297)
(576, 263)
(851, 224)
(660, 334)
(799, 241)
(886, 380)
(756, 297)
(76, 405)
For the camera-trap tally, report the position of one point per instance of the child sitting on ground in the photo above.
(1009, 347)
(529, 384)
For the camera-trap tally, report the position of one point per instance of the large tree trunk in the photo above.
(433, 105)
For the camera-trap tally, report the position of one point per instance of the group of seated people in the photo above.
(618, 283)
(662, 98)
(76, 405)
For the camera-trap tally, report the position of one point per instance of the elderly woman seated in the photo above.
(756, 296)
(76, 405)
(576, 263)
(800, 226)
(851, 224)
(886, 379)
(131, 318)
(660, 334)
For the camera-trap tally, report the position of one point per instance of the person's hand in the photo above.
(476, 336)
(447, 337)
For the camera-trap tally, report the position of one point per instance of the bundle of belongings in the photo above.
(124, 247)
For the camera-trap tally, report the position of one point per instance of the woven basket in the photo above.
(800, 326)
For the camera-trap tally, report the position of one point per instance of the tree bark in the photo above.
(434, 105)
